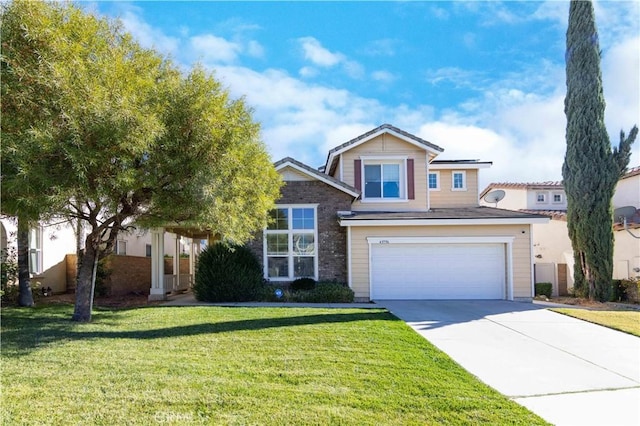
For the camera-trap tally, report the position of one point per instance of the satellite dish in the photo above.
(494, 196)
(623, 214)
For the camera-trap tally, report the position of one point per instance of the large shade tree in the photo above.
(591, 169)
(122, 137)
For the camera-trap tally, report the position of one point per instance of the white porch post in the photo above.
(192, 259)
(157, 265)
(176, 262)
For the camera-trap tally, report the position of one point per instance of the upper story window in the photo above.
(434, 181)
(290, 245)
(383, 180)
(557, 198)
(458, 181)
(541, 197)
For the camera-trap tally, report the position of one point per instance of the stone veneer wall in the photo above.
(332, 238)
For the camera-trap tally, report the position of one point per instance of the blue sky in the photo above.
(483, 80)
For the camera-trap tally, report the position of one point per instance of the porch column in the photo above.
(192, 259)
(157, 291)
(176, 263)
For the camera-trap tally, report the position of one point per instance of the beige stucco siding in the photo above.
(521, 250)
(387, 145)
(447, 198)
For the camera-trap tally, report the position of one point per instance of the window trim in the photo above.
(437, 174)
(373, 160)
(544, 197)
(464, 180)
(35, 250)
(119, 244)
(290, 253)
(553, 198)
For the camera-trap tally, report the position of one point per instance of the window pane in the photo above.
(391, 176)
(303, 219)
(278, 219)
(304, 244)
(303, 267)
(277, 244)
(278, 267)
(372, 181)
(458, 182)
(433, 180)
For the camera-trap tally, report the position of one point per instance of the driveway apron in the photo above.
(568, 371)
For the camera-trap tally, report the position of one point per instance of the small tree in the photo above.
(590, 170)
(121, 136)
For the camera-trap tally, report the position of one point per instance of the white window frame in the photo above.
(558, 194)
(464, 180)
(437, 174)
(35, 250)
(290, 252)
(121, 248)
(544, 197)
(381, 160)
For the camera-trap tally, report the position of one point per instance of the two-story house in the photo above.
(553, 254)
(391, 221)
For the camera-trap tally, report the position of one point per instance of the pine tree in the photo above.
(591, 169)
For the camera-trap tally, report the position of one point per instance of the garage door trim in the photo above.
(503, 239)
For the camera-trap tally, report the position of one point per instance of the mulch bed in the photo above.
(126, 301)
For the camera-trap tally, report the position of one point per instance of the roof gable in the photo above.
(385, 128)
(314, 174)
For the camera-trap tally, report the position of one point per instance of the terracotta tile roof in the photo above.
(553, 214)
(522, 185)
(634, 171)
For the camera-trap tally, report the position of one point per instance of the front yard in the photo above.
(622, 320)
(212, 365)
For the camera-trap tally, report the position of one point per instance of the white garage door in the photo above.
(437, 271)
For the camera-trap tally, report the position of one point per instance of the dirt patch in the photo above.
(591, 304)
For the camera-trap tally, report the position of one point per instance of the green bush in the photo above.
(618, 293)
(326, 292)
(544, 289)
(228, 273)
(303, 284)
(631, 289)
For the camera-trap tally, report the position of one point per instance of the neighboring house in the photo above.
(553, 254)
(52, 249)
(391, 221)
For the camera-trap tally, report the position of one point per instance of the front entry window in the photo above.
(290, 243)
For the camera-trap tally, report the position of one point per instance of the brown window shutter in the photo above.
(357, 174)
(411, 192)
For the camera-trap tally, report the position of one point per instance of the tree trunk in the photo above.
(86, 282)
(25, 297)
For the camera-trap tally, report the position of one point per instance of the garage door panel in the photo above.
(437, 271)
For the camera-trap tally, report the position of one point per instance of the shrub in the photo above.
(228, 273)
(303, 284)
(618, 292)
(544, 289)
(631, 289)
(326, 292)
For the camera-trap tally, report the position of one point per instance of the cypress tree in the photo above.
(591, 169)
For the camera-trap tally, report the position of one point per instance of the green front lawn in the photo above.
(213, 365)
(627, 321)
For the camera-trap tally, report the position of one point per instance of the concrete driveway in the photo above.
(567, 371)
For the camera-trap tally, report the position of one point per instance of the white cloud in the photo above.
(317, 54)
(383, 76)
(215, 49)
(146, 35)
(382, 47)
(255, 49)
